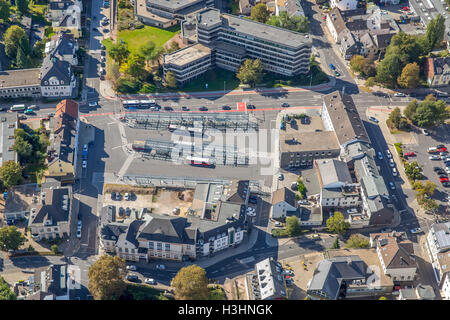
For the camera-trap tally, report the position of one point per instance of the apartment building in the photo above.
(57, 77)
(266, 281)
(344, 5)
(283, 201)
(9, 122)
(437, 71)
(396, 255)
(64, 46)
(66, 16)
(438, 246)
(50, 218)
(23, 83)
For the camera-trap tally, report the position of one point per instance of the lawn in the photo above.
(143, 292)
(136, 38)
(215, 79)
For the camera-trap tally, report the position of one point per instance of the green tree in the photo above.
(410, 76)
(4, 11)
(430, 205)
(295, 23)
(13, 38)
(136, 66)
(10, 238)
(55, 249)
(435, 31)
(5, 292)
(22, 6)
(156, 55)
(191, 283)
(146, 51)
(430, 113)
(23, 148)
(410, 109)
(394, 118)
(413, 171)
(174, 46)
(170, 80)
(38, 49)
(106, 278)
(335, 244)
(337, 223)
(10, 173)
(22, 60)
(356, 63)
(357, 241)
(251, 72)
(368, 68)
(293, 226)
(389, 70)
(119, 52)
(260, 13)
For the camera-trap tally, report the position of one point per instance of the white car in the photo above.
(388, 154)
(394, 172)
(126, 196)
(278, 224)
(399, 94)
(392, 163)
(435, 157)
(84, 164)
(92, 104)
(353, 210)
(79, 233)
(392, 185)
(416, 230)
(380, 156)
(150, 281)
(160, 267)
(131, 268)
(85, 147)
(425, 132)
(79, 224)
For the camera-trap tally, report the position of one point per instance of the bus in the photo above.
(145, 104)
(130, 103)
(199, 162)
(18, 107)
(139, 104)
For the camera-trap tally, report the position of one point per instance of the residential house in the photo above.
(69, 20)
(266, 281)
(344, 5)
(335, 23)
(245, 7)
(51, 217)
(64, 46)
(63, 150)
(48, 283)
(348, 44)
(396, 255)
(57, 77)
(283, 201)
(438, 246)
(438, 71)
(57, 9)
(294, 8)
(421, 292)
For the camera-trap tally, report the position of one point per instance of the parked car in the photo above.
(380, 155)
(168, 108)
(435, 157)
(113, 195)
(391, 163)
(443, 149)
(118, 196)
(353, 210)
(373, 119)
(84, 164)
(399, 94)
(203, 108)
(416, 230)
(131, 267)
(440, 146)
(132, 278)
(126, 196)
(93, 104)
(392, 185)
(332, 67)
(150, 281)
(250, 106)
(394, 172)
(278, 224)
(388, 154)
(285, 105)
(160, 267)
(281, 177)
(446, 184)
(79, 233)
(443, 179)
(437, 169)
(425, 132)
(337, 74)
(226, 108)
(410, 154)
(253, 200)
(185, 108)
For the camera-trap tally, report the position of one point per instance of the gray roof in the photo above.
(63, 44)
(60, 5)
(330, 273)
(51, 280)
(421, 292)
(374, 186)
(345, 118)
(333, 171)
(164, 228)
(294, 8)
(54, 67)
(112, 231)
(442, 234)
(174, 5)
(107, 215)
(52, 208)
(270, 279)
(441, 65)
(8, 125)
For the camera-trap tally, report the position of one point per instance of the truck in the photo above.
(18, 107)
(433, 150)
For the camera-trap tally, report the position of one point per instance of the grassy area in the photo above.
(143, 292)
(216, 293)
(136, 38)
(215, 79)
(37, 12)
(318, 77)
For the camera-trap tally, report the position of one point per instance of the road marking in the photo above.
(241, 107)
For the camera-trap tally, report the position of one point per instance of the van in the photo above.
(433, 150)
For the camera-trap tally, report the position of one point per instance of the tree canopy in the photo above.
(10, 173)
(22, 5)
(119, 52)
(191, 283)
(136, 66)
(106, 278)
(357, 241)
(10, 238)
(413, 171)
(410, 77)
(337, 223)
(260, 13)
(5, 291)
(4, 11)
(170, 80)
(435, 31)
(294, 23)
(251, 72)
(293, 226)
(15, 38)
(427, 113)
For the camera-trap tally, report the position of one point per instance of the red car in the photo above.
(405, 9)
(443, 179)
(443, 149)
(410, 154)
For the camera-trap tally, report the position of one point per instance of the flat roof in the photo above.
(187, 55)
(306, 136)
(141, 10)
(173, 4)
(19, 78)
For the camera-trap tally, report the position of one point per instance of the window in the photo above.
(167, 246)
(151, 245)
(159, 245)
(126, 250)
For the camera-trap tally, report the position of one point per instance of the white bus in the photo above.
(199, 162)
(18, 107)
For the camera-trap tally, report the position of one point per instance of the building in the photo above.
(47, 283)
(302, 143)
(421, 292)
(396, 255)
(23, 83)
(344, 5)
(57, 77)
(51, 216)
(164, 14)
(348, 44)
(438, 246)
(64, 46)
(63, 149)
(335, 23)
(266, 281)
(283, 201)
(245, 7)
(438, 71)
(66, 17)
(188, 63)
(233, 39)
(9, 122)
(294, 8)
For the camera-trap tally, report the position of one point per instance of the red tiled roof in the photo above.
(67, 106)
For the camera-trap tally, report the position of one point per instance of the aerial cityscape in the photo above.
(248, 150)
